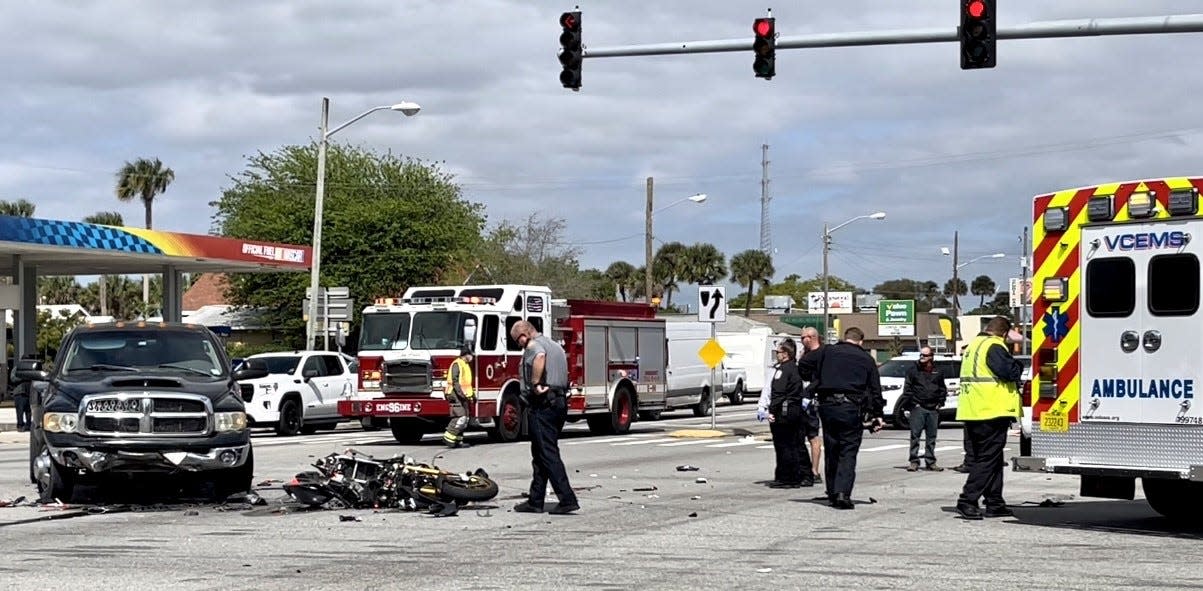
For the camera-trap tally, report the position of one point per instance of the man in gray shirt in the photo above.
(545, 383)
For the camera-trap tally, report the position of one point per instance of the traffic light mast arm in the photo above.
(1183, 23)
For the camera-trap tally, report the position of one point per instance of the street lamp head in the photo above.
(944, 251)
(408, 108)
(998, 255)
(881, 215)
(699, 198)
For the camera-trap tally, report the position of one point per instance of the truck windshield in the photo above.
(895, 368)
(439, 330)
(188, 353)
(384, 331)
(278, 364)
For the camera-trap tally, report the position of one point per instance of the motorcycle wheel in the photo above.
(474, 488)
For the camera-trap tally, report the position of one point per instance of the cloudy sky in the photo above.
(901, 129)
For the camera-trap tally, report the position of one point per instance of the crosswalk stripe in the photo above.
(733, 444)
(885, 447)
(948, 448)
(680, 443)
(627, 437)
(644, 441)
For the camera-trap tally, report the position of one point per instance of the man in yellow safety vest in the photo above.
(460, 394)
(989, 403)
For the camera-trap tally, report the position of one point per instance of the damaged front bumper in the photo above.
(122, 460)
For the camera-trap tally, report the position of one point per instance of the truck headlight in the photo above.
(229, 421)
(60, 422)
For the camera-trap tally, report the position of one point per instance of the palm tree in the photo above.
(982, 286)
(748, 268)
(61, 289)
(666, 268)
(704, 264)
(143, 179)
(622, 274)
(107, 218)
(953, 293)
(19, 208)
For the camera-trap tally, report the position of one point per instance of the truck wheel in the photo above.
(737, 397)
(1175, 499)
(234, 480)
(508, 420)
(406, 431)
(291, 418)
(702, 408)
(59, 484)
(369, 424)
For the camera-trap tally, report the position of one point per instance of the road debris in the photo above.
(645, 489)
(349, 518)
(701, 481)
(687, 468)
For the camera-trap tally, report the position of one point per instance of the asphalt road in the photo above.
(729, 532)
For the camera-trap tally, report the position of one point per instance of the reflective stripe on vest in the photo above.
(983, 396)
(465, 378)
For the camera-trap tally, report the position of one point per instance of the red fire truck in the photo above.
(616, 358)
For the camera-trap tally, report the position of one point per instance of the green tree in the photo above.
(668, 266)
(953, 292)
(622, 274)
(925, 293)
(704, 264)
(535, 252)
(107, 218)
(60, 290)
(390, 222)
(143, 179)
(982, 286)
(52, 328)
(749, 268)
(20, 208)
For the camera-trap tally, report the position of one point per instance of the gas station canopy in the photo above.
(57, 247)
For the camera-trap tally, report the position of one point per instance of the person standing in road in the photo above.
(924, 393)
(23, 390)
(989, 402)
(811, 425)
(460, 394)
(849, 390)
(786, 413)
(545, 380)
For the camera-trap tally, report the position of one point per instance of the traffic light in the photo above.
(977, 34)
(570, 50)
(765, 48)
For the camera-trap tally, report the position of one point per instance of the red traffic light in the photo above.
(976, 8)
(763, 27)
(568, 20)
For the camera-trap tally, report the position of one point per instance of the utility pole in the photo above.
(826, 310)
(647, 246)
(766, 239)
(955, 309)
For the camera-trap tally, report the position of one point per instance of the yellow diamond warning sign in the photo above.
(712, 353)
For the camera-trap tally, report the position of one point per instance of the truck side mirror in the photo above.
(31, 375)
(309, 374)
(249, 372)
(470, 331)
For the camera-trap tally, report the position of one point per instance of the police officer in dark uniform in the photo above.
(786, 415)
(849, 390)
(545, 381)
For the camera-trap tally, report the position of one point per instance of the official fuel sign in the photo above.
(896, 318)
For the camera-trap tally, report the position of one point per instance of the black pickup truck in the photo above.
(138, 397)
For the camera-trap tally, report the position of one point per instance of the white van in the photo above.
(688, 376)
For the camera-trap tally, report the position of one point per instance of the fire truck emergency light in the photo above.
(1100, 209)
(1184, 202)
(1140, 205)
(1056, 219)
(1055, 289)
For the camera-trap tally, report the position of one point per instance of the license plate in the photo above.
(1053, 423)
(133, 405)
(392, 407)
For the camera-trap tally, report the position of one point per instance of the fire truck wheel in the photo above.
(702, 408)
(509, 419)
(406, 431)
(1175, 499)
(618, 420)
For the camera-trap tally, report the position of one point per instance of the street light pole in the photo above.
(881, 215)
(647, 247)
(955, 267)
(408, 109)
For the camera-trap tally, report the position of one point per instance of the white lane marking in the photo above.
(885, 447)
(644, 441)
(627, 437)
(680, 443)
(735, 443)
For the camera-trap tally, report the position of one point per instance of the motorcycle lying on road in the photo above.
(358, 481)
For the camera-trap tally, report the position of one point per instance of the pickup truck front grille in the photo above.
(153, 414)
(247, 391)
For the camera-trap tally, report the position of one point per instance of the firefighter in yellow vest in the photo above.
(988, 404)
(461, 395)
